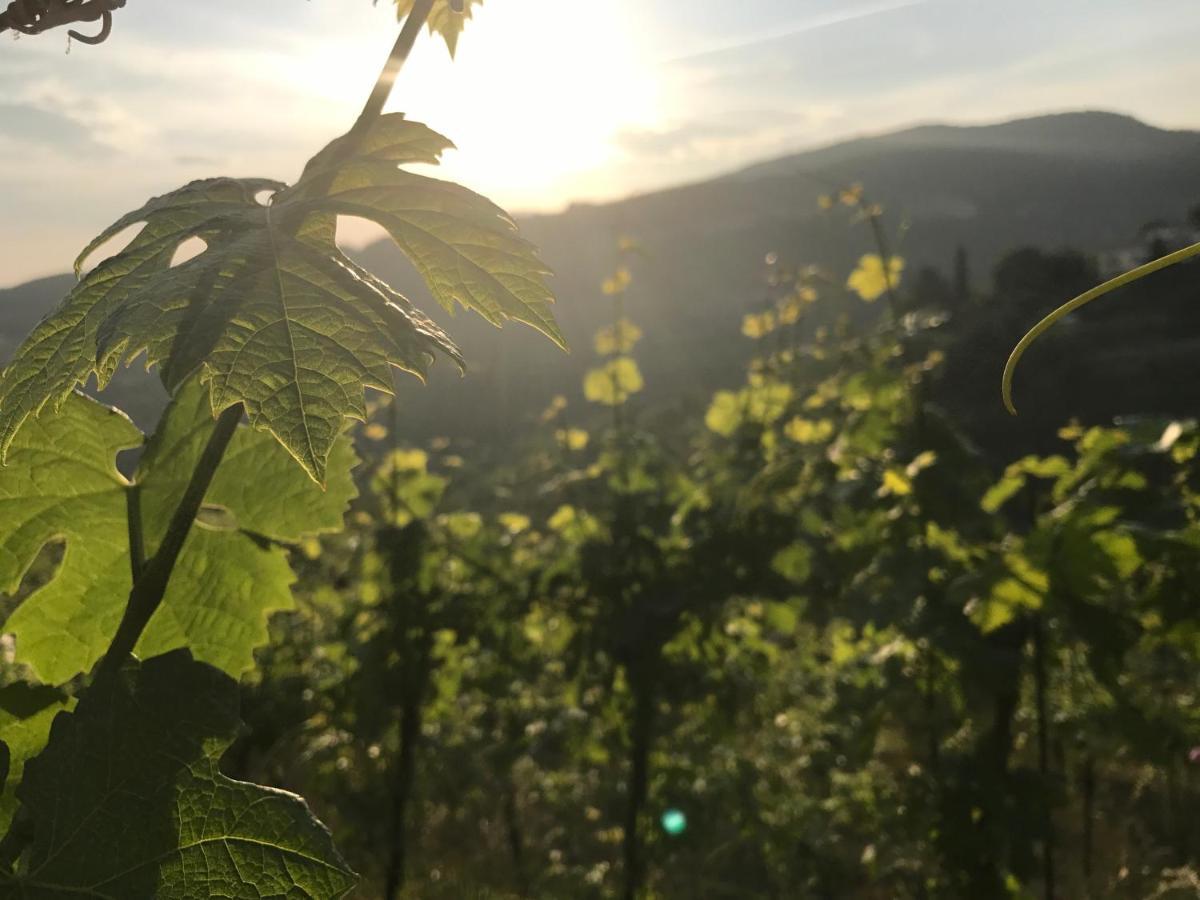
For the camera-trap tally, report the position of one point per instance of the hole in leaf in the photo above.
(189, 249)
(214, 517)
(127, 460)
(45, 567)
(354, 235)
(111, 247)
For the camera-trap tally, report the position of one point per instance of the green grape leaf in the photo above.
(60, 353)
(260, 486)
(466, 248)
(225, 584)
(128, 802)
(447, 18)
(286, 329)
(271, 314)
(393, 138)
(61, 483)
(26, 711)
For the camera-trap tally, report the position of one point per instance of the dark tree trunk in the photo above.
(639, 762)
(516, 841)
(403, 781)
(1040, 687)
(1088, 787)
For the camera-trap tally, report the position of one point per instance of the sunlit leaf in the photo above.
(766, 400)
(619, 338)
(808, 431)
(895, 484)
(61, 482)
(758, 325)
(614, 382)
(514, 523)
(447, 18)
(462, 525)
(466, 247)
(572, 438)
(870, 281)
(272, 314)
(724, 413)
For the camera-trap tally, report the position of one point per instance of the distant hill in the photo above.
(1088, 180)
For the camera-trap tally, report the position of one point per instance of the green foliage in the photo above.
(809, 619)
(829, 608)
(226, 582)
(870, 280)
(61, 481)
(614, 382)
(272, 314)
(183, 562)
(127, 801)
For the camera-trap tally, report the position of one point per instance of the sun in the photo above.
(534, 101)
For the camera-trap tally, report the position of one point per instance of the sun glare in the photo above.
(534, 99)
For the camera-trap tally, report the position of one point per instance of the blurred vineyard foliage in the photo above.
(810, 644)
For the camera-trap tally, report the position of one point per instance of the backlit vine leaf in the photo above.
(127, 802)
(614, 382)
(272, 314)
(466, 248)
(447, 18)
(724, 413)
(870, 280)
(61, 483)
(620, 337)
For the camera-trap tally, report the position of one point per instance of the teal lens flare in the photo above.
(674, 821)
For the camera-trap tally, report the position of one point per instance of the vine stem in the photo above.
(150, 585)
(885, 258)
(1006, 381)
(149, 589)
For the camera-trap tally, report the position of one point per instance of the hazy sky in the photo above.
(549, 100)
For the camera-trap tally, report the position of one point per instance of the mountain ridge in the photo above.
(985, 188)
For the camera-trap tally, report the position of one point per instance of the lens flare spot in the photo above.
(674, 822)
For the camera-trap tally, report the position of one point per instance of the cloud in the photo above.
(751, 42)
(185, 159)
(734, 135)
(24, 124)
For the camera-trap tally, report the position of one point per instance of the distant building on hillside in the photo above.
(1154, 239)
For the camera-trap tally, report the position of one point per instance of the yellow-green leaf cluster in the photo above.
(619, 338)
(448, 18)
(614, 382)
(871, 280)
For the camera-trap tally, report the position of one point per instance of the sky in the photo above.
(548, 101)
